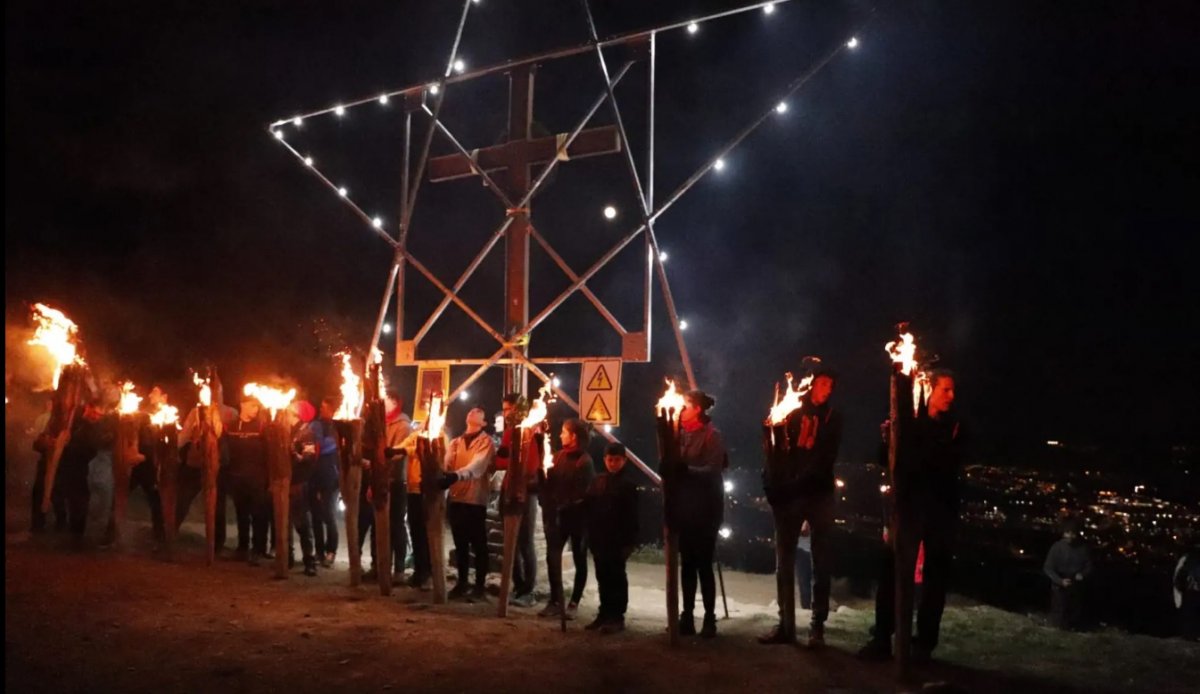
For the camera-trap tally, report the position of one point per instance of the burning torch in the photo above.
(58, 335)
(125, 457)
(374, 451)
(667, 415)
(431, 455)
(349, 424)
(278, 435)
(164, 424)
(901, 414)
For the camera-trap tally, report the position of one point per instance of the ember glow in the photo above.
(437, 417)
(671, 402)
(904, 352)
(791, 400)
(274, 399)
(205, 397)
(130, 401)
(352, 392)
(164, 415)
(58, 334)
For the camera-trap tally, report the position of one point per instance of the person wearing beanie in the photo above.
(612, 527)
(801, 492)
(697, 508)
(563, 490)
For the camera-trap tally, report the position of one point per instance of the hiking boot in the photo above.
(613, 626)
(816, 636)
(709, 629)
(371, 574)
(777, 636)
(458, 591)
(596, 623)
(310, 567)
(327, 560)
(523, 600)
(551, 610)
(687, 624)
(572, 610)
(291, 561)
(876, 650)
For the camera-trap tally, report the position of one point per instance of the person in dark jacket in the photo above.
(801, 490)
(1186, 583)
(697, 508)
(247, 475)
(524, 576)
(612, 527)
(926, 495)
(1068, 565)
(563, 489)
(324, 485)
(91, 431)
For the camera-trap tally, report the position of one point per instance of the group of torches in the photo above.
(361, 425)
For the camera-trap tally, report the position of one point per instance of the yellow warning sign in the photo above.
(600, 391)
(598, 412)
(600, 380)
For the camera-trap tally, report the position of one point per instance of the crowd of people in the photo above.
(590, 513)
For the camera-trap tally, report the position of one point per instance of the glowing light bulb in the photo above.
(297, 121)
(464, 396)
(852, 43)
(556, 382)
(341, 506)
(693, 28)
(728, 486)
(308, 161)
(460, 66)
(726, 532)
(662, 256)
(781, 107)
(383, 99)
(610, 212)
(387, 328)
(434, 89)
(343, 192)
(608, 428)
(719, 164)
(278, 134)
(377, 222)
(339, 110)
(683, 325)
(769, 8)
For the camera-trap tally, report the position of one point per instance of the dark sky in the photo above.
(1018, 179)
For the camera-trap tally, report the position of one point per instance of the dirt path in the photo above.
(126, 621)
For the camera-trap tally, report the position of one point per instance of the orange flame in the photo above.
(164, 415)
(672, 400)
(274, 399)
(437, 417)
(205, 398)
(352, 393)
(791, 401)
(58, 334)
(130, 401)
(904, 352)
(538, 409)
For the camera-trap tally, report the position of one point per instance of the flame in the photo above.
(437, 417)
(377, 358)
(538, 409)
(791, 401)
(904, 352)
(352, 393)
(274, 399)
(164, 415)
(58, 335)
(672, 400)
(130, 401)
(205, 398)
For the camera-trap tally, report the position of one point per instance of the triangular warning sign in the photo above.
(600, 380)
(598, 412)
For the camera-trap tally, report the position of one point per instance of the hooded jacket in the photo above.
(470, 456)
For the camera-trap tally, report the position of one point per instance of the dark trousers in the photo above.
(789, 518)
(697, 548)
(561, 527)
(397, 509)
(1066, 606)
(251, 503)
(468, 525)
(1189, 616)
(613, 583)
(300, 517)
(144, 476)
(72, 484)
(322, 501)
(804, 577)
(422, 566)
(190, 485)
(525, 561)
(937, 532)
(57, 501)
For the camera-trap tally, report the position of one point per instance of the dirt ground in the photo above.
(129, 620)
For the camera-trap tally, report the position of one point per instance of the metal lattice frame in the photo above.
(509, 351)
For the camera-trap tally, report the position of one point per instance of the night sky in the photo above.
(1018, 179)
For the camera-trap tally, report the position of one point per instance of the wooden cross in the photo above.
(515, 160)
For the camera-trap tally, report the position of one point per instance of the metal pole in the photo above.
(721, 578)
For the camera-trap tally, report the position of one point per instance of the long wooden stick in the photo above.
(668, 450)
(166, 459)
(62, 421)
(513, 501)
(125, 457)
(903, 572)
(350, 447)
(430, 454)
